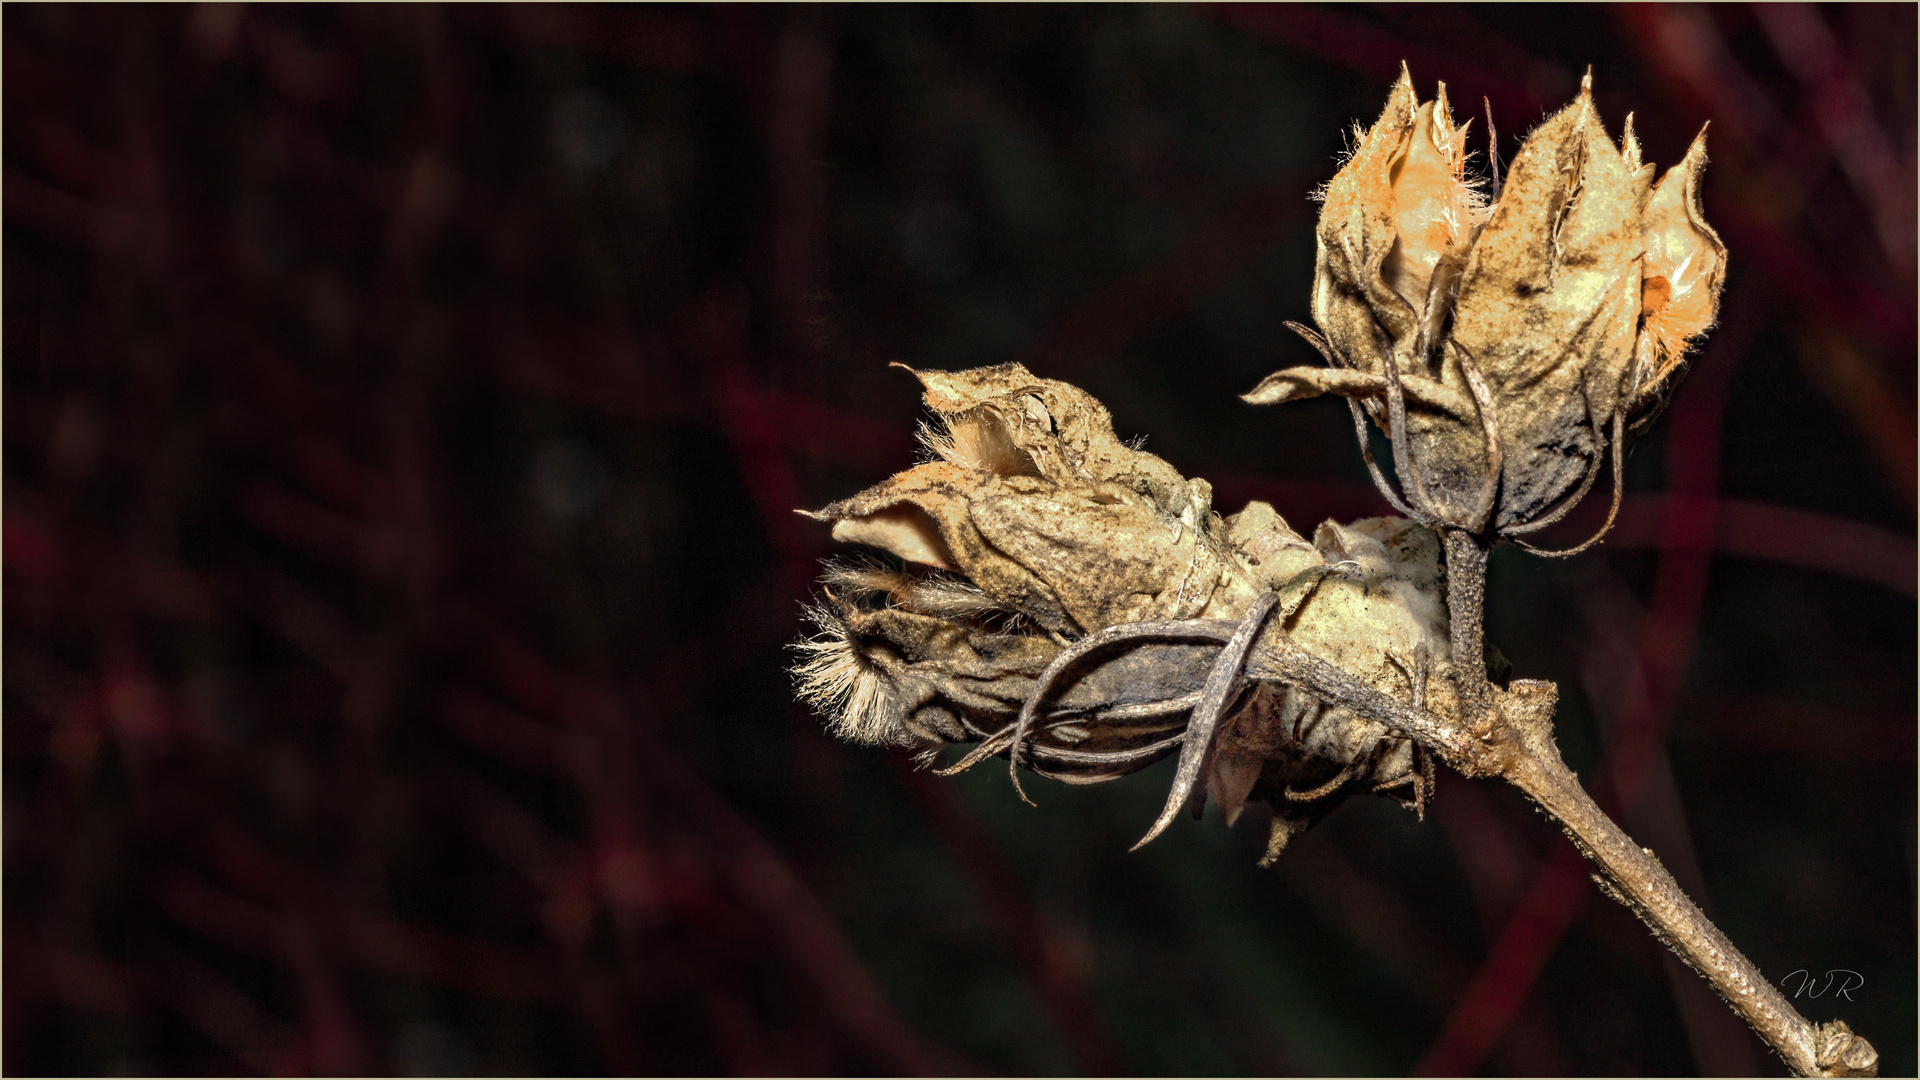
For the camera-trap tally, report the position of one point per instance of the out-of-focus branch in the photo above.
(1610, 672)
(1688, 52)
(1102, 324)
(748, 862)
(1376, 52)
(1393, 929)
(1047, 960)
(1840, 105)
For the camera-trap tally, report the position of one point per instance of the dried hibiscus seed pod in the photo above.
(1071, 603)
(1505, 348)
(1075, 605)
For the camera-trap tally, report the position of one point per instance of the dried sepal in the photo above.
(1436, 209)
(1295, 384)
(1271, 550)
(1111, 557)
(1547, 309)
(1007, 420)
(1363, 318)
(1685, 268)
(944, 596)
(925, 515)
(1372, 618)
(884, 674)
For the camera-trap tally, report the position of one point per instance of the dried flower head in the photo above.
(1034, 548)
(1504, 348)
(1035, 501)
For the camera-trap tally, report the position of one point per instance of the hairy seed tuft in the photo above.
(845, 687)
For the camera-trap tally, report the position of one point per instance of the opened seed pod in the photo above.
(1505, 349)
(1074, 605)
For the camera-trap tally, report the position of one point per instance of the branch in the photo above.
(1511, 737)
(1634, 876)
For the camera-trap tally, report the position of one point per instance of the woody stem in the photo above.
(1466, 593)
(1632, 874)
(1635, 877)
(1525, 756)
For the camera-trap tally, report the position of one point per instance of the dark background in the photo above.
(405, 407)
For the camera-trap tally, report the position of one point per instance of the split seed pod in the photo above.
(1504, 349)
(1035, 500)
(1069, 602)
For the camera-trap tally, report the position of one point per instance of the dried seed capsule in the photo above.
(1038, 503)
(885, 674)
(1066, 598)
(1504, 350)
